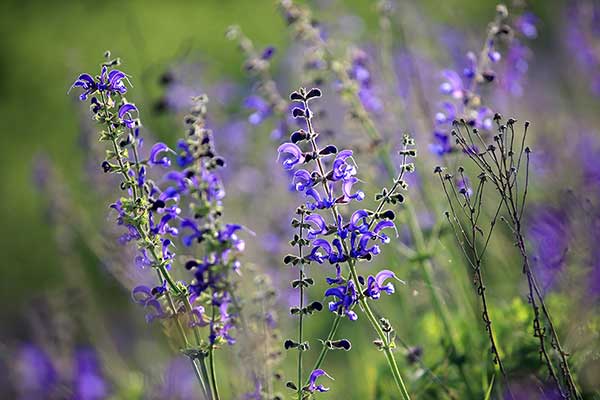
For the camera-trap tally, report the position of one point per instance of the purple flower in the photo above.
(156, 150)
(452, 85)
(35, 373)
(347, 298)
(125, 112)
(112, 81)
(295, 155)
(376, 285)
(312, 381)
(549, 232)
(89, 382)
(527, 24)
(302, 180)
(341, 169)
(319, 223)
(262, 109)
(347, 190)
(87, 83)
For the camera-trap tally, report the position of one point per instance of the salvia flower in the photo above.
(313, 387)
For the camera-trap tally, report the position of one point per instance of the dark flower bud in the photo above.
(313, 93)
(158, 204)
(361, 279)
(330, 149)
(291, 385)
(396, 198)
(219, 161)
(106, 167)
(191, 264)
(298, 136)
(379, 344)
(437, 170)
(290, 344)
(527, 150)
(389, 214)
(291, 259)
(166, 78)
(342, 344)
(414, 354)
(497, 117)
(295, 96)
(488, 75)
(298, 113)
(268, 53)
(408, 152)
(316, 306)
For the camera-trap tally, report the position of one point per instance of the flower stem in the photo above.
(301, 305)
(211, 360)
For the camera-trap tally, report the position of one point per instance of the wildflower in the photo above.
(313, 387)
(376, 284)
(347, 299)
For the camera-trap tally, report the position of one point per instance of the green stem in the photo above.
(301, 319)
(199, 376)
(211, 360)
(330, 336)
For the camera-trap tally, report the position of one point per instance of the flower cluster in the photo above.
(462, 89)
(356, 238)
(145, 212)
(335, 240)
(196, 180)
(182, 206)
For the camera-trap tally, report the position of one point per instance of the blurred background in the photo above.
(67, 310)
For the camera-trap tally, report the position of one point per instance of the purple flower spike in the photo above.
(295, 153)
(312, 381)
